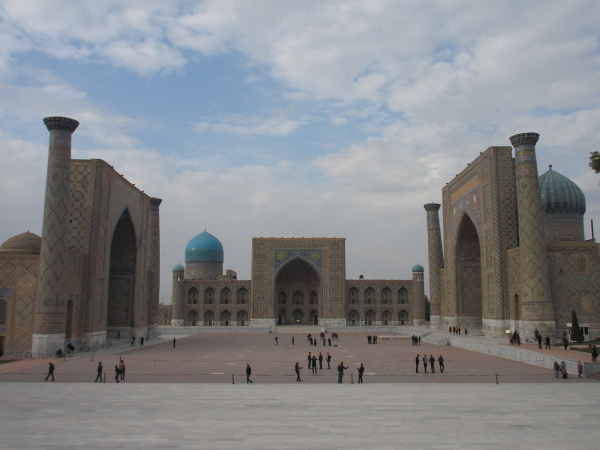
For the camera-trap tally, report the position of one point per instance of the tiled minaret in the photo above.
(50, 314)
(419, 295)
(536, 298)
(436, 261)
(178, 312)
(154, 267)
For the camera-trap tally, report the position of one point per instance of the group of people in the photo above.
(313, 340)
(537, 337)
(312, 361)
(141, 341)
(431, 361)
(416, 340)
(562, 369)
(372, 339)
(456, 330)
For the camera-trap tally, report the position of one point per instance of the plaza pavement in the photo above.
(214, 358)
(459, 416)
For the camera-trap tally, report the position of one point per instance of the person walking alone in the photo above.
(297, 369)
(341, 369)
(361, 370)
(328, 360)
(99, 374)
(142, 341)
(50, 372)
(441, 363)
(276, 340)
(248, 373)
(174, 342)
(579, 369)
(292, 340)
(133, 341)
(418, 361)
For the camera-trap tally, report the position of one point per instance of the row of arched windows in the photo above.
(386, 296)
(224, 317)
(298, 298)
(225, 296)
(370, 317)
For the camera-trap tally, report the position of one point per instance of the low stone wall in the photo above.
(357, 329)
(519, 354)
(185, 331)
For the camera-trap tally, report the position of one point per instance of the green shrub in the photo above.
(576, 333)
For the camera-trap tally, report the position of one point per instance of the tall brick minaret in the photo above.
(154, 267)
(436, 262)
(418, 309)
(50, 310)
(535, 294)
(178, 311)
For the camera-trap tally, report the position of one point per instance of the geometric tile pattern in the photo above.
(535, 298)
(436, 256)
(153, 266)
(50, 317)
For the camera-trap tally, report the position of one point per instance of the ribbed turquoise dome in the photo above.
(178, 268)
(418, 268)
(204, 247)
(560, 195)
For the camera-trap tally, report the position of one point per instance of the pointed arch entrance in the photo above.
(299, 281)
(468, 274)
(121, 285)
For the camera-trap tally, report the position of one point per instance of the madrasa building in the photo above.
(513, 253)
(294, 281)
(94, 272)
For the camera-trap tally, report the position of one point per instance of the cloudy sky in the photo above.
(288, 118)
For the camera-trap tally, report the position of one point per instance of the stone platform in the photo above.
(113, 416)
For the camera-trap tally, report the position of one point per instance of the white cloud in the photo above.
(251, 125)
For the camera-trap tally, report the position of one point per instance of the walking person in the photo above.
(563, 370)
(441, 363)
(419, 340)
(50, 372)
(425, 361)
(579, 369)
(297, 369)
(594, 353)
(117, 373)
(314, 364)
(547, 342)
(565, 342)
(341, 369)
(556, 369)
(133, 341)
(432, 363)
(248, 373)
(329, 341)
(309, 361)
(328, 360)
(174, 342)
(539, 340)
(418, 361)
(361, 370)
(122, 369)
(142, 341)
(276, 340)
(320, 361)
(99, 373)
(292, 340)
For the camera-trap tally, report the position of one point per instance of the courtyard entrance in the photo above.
(297, 294)
(468, 273)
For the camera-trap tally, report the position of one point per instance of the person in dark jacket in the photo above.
(248, 373)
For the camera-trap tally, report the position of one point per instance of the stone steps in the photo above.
(299, 329)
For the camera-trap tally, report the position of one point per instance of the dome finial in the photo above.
(550, 166)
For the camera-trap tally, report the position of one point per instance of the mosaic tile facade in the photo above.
(520, 278)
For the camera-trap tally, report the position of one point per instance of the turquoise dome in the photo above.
(560, 195)
(203, 248)
(418, 268)
(178, 268)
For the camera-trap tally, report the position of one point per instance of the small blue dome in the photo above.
(418, 268)
(178, 268)
(204, 247)
(560, 195)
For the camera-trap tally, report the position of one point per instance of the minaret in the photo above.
(50, 314)
(418, 309)
(154, 267)
(178, 312)
(536, 301)
(436, 262)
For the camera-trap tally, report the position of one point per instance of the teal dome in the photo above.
(560, 195)
(418, 268)
(178, 268)
(204, 248)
